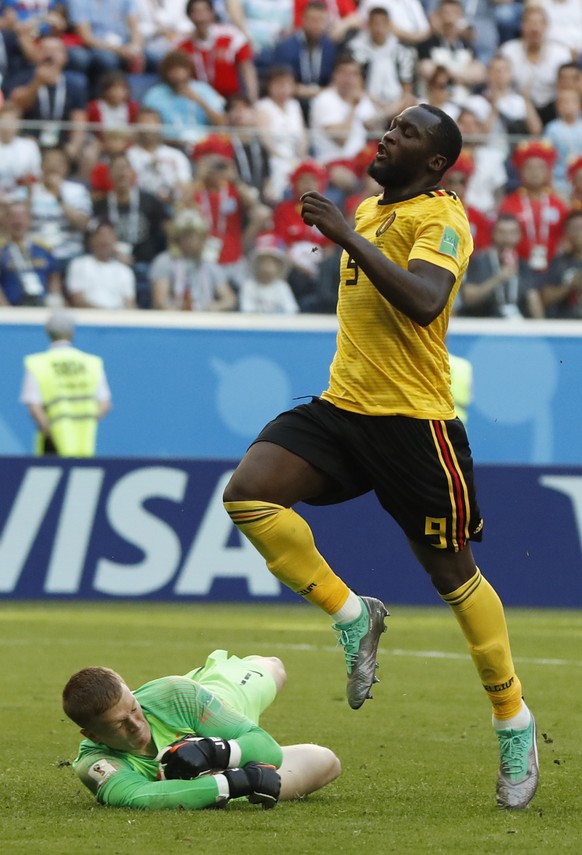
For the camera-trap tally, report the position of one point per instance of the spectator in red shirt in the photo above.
(367, 186)
(233, 209)
(307, 249)
(115, 141)
(575, 181)
(114, 108)
(221, 54)
(456, 180)
(540, 212)
(343, 17)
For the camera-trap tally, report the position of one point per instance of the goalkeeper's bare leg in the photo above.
(305, 769)
(274, 666)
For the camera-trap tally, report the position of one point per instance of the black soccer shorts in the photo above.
(421, 470)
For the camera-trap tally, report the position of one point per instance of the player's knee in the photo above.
(240, 489)
(330, 765)
(247, 484)
(276, 669)
(232, 492)
(447, 570)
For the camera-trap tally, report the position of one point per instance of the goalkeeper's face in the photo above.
(122, 727)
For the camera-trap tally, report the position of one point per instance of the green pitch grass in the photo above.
(419, 761)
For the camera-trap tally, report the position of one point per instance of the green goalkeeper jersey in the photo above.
(174, 707)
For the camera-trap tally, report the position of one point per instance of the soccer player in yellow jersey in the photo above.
(387, 423)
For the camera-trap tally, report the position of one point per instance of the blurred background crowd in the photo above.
(153, 152)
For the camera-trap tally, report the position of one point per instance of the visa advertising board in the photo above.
(144, 529)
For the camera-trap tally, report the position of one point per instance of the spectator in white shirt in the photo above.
(511, 112)
(489, 177)
(267, 291)
(162, 24)
(19, 156)
(162, 170)
(535, 61)
(388, 66)
(564, 23)
(98, 280)
(60, 208)
(449, 47)
(341, 114)
(283, 131)
(410, 24)
(478, 24)
(182, 279)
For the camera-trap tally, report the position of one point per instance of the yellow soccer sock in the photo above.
(479, 612)
(286, 543)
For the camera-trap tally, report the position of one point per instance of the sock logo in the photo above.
(500, 686)
(308, 590)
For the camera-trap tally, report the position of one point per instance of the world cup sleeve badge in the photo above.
(449, 244)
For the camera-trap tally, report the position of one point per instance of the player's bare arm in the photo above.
(420, 292)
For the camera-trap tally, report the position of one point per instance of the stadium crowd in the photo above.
(153, 152)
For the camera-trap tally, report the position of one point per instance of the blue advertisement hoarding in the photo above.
(189, 386)
(141, 528)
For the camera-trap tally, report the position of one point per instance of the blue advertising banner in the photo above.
(198, 386)
(141, 528)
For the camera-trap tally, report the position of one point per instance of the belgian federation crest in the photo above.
(385, 225)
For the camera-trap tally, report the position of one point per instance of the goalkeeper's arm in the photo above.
(115, 783)
(191, 756)
(130, 789)
(208, 717)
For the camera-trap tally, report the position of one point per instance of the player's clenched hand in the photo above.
(318, 211)
(260, 782)
(192, 756)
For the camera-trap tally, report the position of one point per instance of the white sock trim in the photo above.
(516, 722)
(351, 609)
(223, 788)
(235, 754)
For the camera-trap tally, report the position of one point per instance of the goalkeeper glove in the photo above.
(260, 782)
(192, 756)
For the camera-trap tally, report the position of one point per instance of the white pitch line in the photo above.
(325, 648)
(434, 654)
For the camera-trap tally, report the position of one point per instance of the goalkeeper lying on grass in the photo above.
(191, 741)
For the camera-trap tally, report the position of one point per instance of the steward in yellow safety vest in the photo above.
(66, 392)
(461, 384)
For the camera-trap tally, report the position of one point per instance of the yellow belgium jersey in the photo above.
(385, 363)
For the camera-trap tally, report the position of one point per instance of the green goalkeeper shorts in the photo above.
(239, 683)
